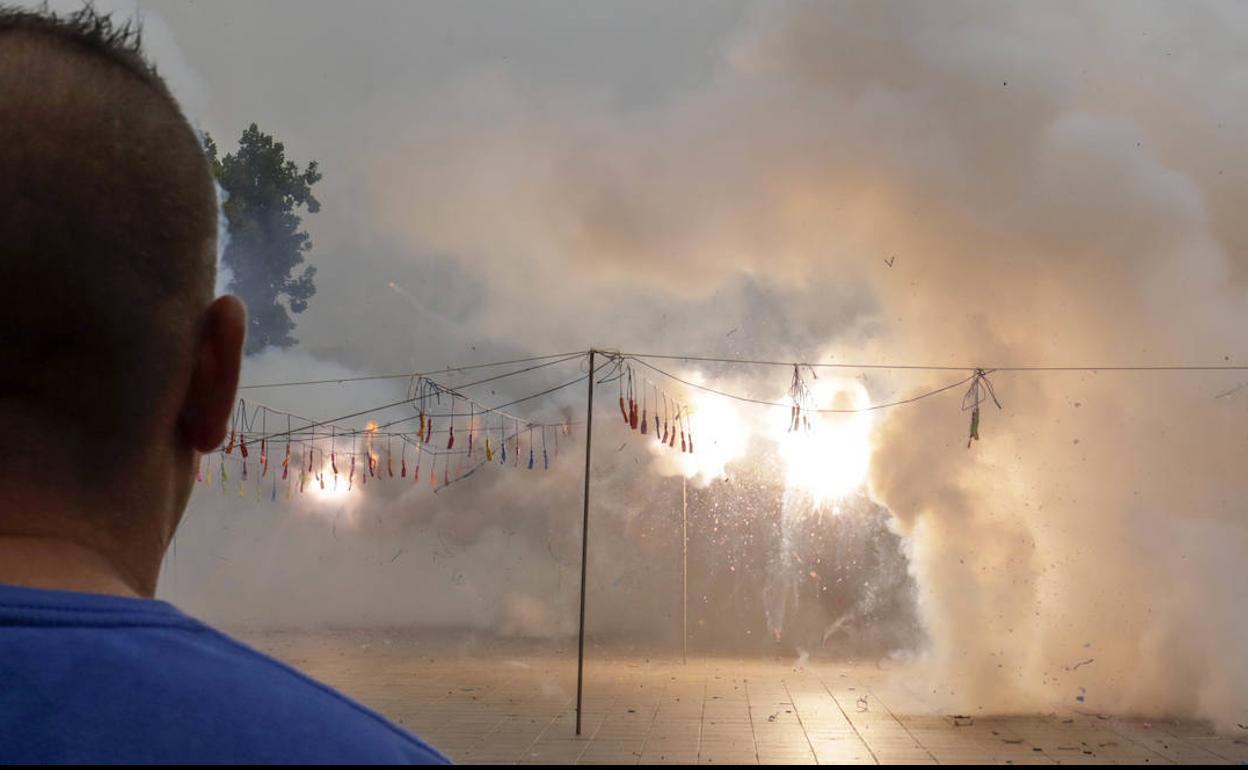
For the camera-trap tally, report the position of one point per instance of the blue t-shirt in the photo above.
(89, 678)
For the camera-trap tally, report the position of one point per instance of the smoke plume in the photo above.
(966, 184)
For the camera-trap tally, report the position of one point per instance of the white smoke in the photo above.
(987, 184)
(979, 184)
(225, 276)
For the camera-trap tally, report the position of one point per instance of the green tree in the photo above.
(266, 243)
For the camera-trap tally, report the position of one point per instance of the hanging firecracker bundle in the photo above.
(645, 397)
(450, 439)
(264, 452)
(515, 447)
(632, 402)
(981, 390)
(800, 398)
(795, 410)
(351, 470)
(623, 408)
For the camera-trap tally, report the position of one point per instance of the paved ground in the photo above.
(478, 705)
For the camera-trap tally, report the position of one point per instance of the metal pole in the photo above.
(580, 644)
(684, 567)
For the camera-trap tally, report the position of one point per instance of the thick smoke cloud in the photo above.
(983, 184)
(1051, 186)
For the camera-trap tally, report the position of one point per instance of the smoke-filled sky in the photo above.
(954, 183)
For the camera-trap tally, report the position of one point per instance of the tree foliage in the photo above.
(266, 243)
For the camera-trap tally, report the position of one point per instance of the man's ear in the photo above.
(217, 359)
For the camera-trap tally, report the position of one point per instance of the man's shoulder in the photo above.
(248, 689)
(97, 678)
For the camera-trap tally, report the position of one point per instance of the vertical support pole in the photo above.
(580, 643)
(684, 568)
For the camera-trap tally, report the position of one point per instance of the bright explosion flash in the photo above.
(830, 460)
(330, 494)
(341, 486)
(718, 436)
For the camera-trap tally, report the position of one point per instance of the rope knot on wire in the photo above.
(980, 391)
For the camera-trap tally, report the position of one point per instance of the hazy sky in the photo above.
(330, 78)
(274, 55)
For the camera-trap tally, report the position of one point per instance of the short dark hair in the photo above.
(108, 226)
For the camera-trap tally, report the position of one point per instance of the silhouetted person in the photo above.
(117, 369)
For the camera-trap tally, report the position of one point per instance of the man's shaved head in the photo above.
(107, 237)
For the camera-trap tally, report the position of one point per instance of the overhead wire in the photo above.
(945, 368)
(412, 399)
(614, 362)
(430, 373)
(763, 402)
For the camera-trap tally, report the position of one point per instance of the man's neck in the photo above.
(42, 562)
(50, 543)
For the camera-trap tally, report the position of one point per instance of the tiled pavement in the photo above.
(480, 707)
